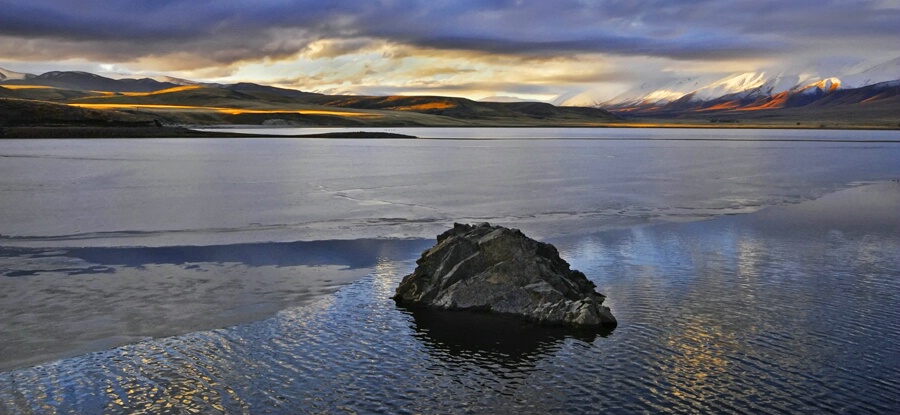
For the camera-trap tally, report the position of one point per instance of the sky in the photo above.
(536, 50)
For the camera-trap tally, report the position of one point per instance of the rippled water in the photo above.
(733, 315)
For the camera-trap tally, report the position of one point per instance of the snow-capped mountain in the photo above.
(646, 94)
(888, 71)
(740, 91)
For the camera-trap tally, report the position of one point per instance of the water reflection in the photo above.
(384, 275)
(504, 340)
(354, 254)
(716, 317)
(358, 253)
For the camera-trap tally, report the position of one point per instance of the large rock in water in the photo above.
(492, 268)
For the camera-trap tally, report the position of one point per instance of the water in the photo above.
(791, 309)
(204, 192)
(717, 316)
(630, 134)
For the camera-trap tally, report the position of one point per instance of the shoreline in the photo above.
(116, 132)
(134, 132)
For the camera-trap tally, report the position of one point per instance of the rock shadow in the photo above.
(492, 338)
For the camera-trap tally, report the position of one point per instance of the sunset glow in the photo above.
(546, 51)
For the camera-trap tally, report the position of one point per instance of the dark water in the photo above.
(755, 313)
(357, 253)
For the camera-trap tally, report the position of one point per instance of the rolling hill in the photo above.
(462, 108)
(750, 99)
(84, 81)
(186, 102)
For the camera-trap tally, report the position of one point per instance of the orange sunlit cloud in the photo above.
(547, 51)
(386, 68)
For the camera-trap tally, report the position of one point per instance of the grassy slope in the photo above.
(462, 108)
(246, 104)
(14, 111)
(255, 105)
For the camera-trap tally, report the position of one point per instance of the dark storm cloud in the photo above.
(229, 31)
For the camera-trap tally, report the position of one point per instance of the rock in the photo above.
(500, 270)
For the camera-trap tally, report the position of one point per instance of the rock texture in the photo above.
(496, 269)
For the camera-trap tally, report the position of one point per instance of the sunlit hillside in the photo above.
(257, 104)
(816, 105)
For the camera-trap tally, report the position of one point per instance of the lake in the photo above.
(751, 271)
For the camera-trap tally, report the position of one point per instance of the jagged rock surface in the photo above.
(496, 269)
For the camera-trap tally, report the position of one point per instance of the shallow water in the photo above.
(786, 310)
(733, 315)
(63, 302)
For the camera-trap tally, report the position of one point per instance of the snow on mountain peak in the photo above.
(660, 92)
(662, 95)
(589, 98)
(731, 85)
(887, 71)
(745, 85)
(824, 85)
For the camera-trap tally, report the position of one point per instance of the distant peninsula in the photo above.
(136, 131)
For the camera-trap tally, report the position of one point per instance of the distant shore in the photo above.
(126, 132)
(161, 132)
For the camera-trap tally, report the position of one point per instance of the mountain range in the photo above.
(866, 98)
(741, 94)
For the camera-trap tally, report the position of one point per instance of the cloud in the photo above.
(446, 42)
(128, 30)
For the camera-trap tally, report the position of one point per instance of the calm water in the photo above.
(787, 310)
(206, 192)
(531, 133)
